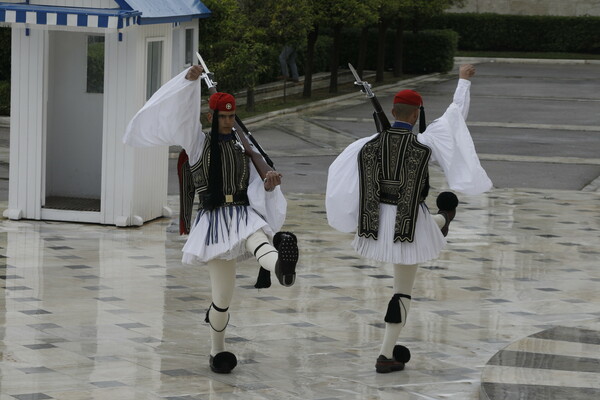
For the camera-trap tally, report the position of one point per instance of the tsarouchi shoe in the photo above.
(385, 365)
(287, 247)
(223, 362)
(447, 203)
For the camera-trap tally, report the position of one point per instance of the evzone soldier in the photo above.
(238, 210)
(377, 188)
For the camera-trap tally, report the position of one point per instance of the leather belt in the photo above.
(236, 199)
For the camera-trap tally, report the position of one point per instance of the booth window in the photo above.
(95, 64)
(154, 67)
(189, 46)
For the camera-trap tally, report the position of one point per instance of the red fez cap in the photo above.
(408, 96)
(221, 102)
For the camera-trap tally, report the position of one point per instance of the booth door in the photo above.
(73, 175)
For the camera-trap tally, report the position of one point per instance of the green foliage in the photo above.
(493, 32)
(4, 98)
(418, 12)
(343, 12)
(322, 55)
(429, 51)
(5, 71)
(288, 21)
(232, 46)
(95, 64)
(242, 40)
(5, 54)
(424, 52)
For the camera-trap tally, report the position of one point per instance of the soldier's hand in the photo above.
(272, 179)
(194, 72)
(466, 71)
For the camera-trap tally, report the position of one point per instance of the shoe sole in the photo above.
(384, 369)
(288, 258)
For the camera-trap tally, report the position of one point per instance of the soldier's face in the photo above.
(226, 121)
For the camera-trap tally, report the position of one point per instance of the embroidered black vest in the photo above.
(234, 168)
(392, 170)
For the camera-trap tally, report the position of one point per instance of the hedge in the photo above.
(423, 52)
(429, 51)
(494, 32)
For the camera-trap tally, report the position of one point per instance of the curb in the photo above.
(478, 60)
(593, 186)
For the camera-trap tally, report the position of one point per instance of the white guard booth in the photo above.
(80, 70)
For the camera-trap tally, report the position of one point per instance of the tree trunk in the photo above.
(398, 49)
(250, 103)
(381, 33)
(310, 56)
(362, 51)
(335, 59)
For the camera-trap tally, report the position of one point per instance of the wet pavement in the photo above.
(509, 310)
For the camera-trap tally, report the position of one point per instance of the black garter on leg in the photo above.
(206, 319)
(394, 314)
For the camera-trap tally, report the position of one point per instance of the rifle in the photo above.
(260, 159)
(381, 121)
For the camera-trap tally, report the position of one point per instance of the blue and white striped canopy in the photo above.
(126, 13)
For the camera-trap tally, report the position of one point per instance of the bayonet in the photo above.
(365, 86)
(381, 121)
(207, 76)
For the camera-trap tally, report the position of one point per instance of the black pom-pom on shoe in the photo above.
(223, 363)
(401, 353)
(447, 203)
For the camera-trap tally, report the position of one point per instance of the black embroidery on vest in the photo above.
(392, 170)
(234, 168)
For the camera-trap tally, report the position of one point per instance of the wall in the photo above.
(27, 122)
(134, 179)
(532, 7)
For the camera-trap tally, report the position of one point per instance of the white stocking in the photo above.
(259, 245)
(404, 279)
(222, 279)
(439, 219)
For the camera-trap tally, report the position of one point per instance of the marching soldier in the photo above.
(239, 212)
(377, 188)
